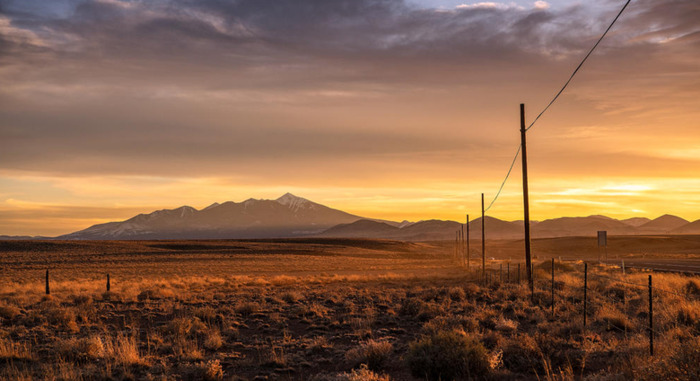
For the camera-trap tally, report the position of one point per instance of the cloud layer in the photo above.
(319, 93)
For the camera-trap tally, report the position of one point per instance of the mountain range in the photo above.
(292, 216)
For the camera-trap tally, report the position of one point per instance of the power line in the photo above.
(506, 178)
(555, 98)
(579, 65)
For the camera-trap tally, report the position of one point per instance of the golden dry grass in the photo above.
(346, 317)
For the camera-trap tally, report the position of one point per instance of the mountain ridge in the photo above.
(291, 216)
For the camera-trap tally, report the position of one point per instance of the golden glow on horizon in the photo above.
(550, 198)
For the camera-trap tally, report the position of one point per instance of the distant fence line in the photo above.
(547, 293)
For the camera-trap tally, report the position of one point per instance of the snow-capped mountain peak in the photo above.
(293, 202)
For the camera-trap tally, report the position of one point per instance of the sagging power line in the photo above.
(566, 84)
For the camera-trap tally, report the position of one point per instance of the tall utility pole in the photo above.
(468, 243)
(483, 240)
(526, 197)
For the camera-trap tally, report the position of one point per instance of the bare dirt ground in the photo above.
(338, 309)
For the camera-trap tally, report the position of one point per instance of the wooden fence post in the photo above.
(552, 288)
(48, 291)
(651, 321)
(585, 293)
(531, 276)
(532, 281)
(108, 285)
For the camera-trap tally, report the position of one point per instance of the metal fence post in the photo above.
(48, 291)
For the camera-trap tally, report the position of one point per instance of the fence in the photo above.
(549, 291)
(598, 289)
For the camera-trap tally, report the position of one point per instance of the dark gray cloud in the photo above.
(128, 82)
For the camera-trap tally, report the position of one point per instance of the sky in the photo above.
(403, 110)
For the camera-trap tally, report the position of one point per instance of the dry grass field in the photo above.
(332, 310)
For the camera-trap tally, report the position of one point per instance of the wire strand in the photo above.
(517, 153)
(579, 66)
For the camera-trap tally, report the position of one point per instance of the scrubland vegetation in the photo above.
(388, 326)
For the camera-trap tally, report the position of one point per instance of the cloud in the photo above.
(485, 5)
(541, 5)
(306, 91)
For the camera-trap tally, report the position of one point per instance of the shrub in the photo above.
(8, 311)
(692, 287)
(291, 297)
(450, 323)
(11, 351)
(688, 313)
(362, 374)
(448, 355)
(615, 319)
(506, 325)
(87, 348)
(210, 370)
(372, 353)
(154, 294)
(457, 293)
(683, 363)
(419, 309)
(213, 340)
(247, 308)
(123, 350)
(522, 354)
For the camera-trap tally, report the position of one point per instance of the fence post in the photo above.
(552, 288)
(48, 291)
(532, 281)
(651, 321)
(585, 293)
(108, 285)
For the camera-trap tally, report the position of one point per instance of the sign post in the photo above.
(603, 241)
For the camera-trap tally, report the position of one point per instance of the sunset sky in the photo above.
(382, 108)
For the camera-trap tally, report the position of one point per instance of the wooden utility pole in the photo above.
(483, 240)
(526, 197)
(468, 254)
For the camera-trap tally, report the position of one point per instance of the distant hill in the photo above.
(496, 228)
(20, 237)
(690, 228)
(580, 226)
(663, 224)
(430, 230)
(636, 221)
(362, 229)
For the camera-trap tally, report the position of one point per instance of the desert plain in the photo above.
(348, 309)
